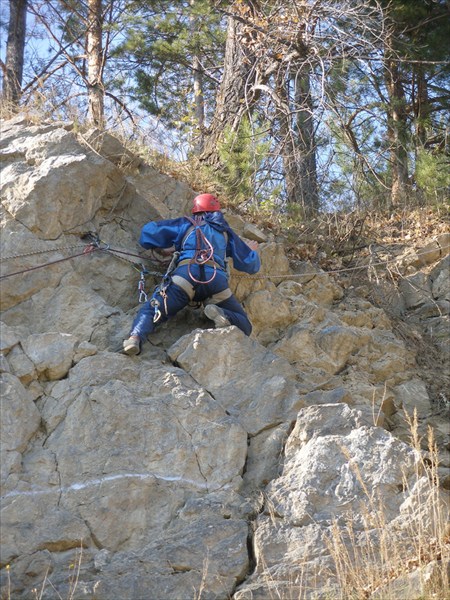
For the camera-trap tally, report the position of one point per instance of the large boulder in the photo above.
(50, 183)
(250, 382)
(347, 493)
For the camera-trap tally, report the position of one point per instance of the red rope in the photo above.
(202, 255)
(85, 252)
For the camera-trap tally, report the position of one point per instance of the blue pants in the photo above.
(177, 299)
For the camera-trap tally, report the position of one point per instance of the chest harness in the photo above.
(203, 255)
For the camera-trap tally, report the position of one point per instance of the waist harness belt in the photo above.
(187, 286)
(209, 263)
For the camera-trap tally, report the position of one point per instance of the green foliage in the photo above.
(433, 176)
(242, 152)
(161, 39)
(352, 182)
(422, 25)
(153, 49)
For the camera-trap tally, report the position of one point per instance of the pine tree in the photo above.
(174, 50)
(418, 73)
(15, 50)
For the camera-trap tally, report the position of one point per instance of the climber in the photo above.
(198, 271)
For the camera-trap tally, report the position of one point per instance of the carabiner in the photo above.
(142, 296)
(141, 287)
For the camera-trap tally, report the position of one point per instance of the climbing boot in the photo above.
(132, 345)
(216, 314)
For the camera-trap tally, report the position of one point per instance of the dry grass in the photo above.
(373, 557)
(386, 562)
(74, 574)
(38, 593)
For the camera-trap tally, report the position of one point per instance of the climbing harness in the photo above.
(204, 255)
(204, 250)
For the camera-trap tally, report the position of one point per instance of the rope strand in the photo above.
(46, 251)
(50, 263)
(90, 248)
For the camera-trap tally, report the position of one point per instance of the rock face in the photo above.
(213, 465)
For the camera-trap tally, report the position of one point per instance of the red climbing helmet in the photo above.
(205, 203)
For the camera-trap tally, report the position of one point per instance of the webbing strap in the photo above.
(185, 285)
(208, 263)
(220, 296)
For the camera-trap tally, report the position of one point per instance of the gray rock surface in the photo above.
(213, 465)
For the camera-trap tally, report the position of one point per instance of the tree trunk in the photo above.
(305, 143)
(297, 144)
(199, 101)
(15, 49)
(234, 98)
(422, 106)
(95, 63)
(199, 107)
(288, 151)
(397, 129)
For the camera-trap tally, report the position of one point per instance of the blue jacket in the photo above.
(226, 243)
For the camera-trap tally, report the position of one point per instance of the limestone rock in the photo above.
(15, 241)
(270, 313)
(414, 584)
(235, 221)
(322, 290)
(56, 530)
(265, 455)
(110, 148)
(21, 365)
(415, 289)
(274, 266)
(212, 465)
(131, 455)
(209, 555)
(435, 249)
(51, 353)
(254, 233)
(55, 187)
(170, 196)
(4, 365)
(60, 309)
(441, 280)
(8, 338)
(221, 360)
(20, 417)
(439, 308)
(331, 468)
(412, 396)
(438, 329)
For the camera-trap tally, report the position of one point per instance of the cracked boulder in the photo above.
(251, 383)
(346, 490)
